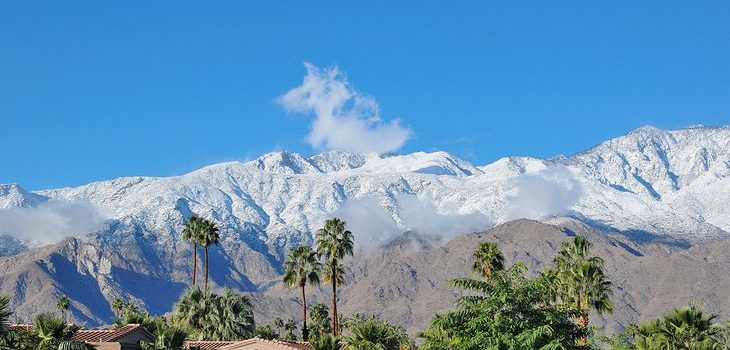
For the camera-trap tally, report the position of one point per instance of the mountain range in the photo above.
(653, 197)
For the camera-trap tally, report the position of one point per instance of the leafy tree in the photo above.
(192, 232)
(376, 334)
(210, 316)
(687, 328)
(266, 332)
(334, 242)
(290, 326)
(63, 303)
(320, 319)
(325, 342)
(487, 259)
(302, 268)
(118, 305)
(54, 334)
(580, 282)
(129, 313)
(209, 235)
(279, 324)
(166, 337)
(508, 311)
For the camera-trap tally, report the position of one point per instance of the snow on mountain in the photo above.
(651, 180)
(648, 184)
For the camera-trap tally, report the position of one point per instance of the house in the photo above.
(249, 344)
(123, 338)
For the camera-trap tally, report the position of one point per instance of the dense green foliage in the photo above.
(210, 316)
(487, 259)
(320, 320)
(63, 303)
(687, 328)
(509, 311)
(166, 337)
(373, 333)
(192, 232)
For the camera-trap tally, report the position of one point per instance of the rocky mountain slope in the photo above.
(650, 185)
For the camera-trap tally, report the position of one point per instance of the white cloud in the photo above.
(343, 118)
(549, 192)
(52, 221)
(373, 226)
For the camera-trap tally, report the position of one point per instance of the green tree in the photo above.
(266, 332)
(580, 282)
(334, 242)
(290, 326)
(487, 259)
(166, 337)
(192, 232)
(118, 306)
(63, 303)
(54, 334)
(209, 235)
(687, 328)
(325, 342)
(507, 312)
(279, 324)
(210, 316)
(376, 334)
(301, 268)
(5, 314)
(320, 320)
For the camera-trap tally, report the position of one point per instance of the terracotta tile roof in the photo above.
(108, 335)
(276, 344)
(207, 344)
(26, 326)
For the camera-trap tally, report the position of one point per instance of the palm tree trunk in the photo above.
(305, 330)
(582, 323)
(206, 268)
(335, 323)
(195, 260)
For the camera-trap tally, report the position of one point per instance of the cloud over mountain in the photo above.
(343, 117)
(53, 220)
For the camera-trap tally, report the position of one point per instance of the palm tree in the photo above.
(208, 236)
(302, 268)
(210, 316)
(63, 304)
(325, 342)
(487, 259)
(581, 282)
(334, 242)
(118, 306)
(191, 232)
(375, 334)
(683, 328)
(278, 324)
(166, 338)
(5, 314)
(320, 319)
(289, 327)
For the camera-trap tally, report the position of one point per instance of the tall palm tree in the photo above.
(209, 235)
(191, 232)
(334, 242)
(581, 282)
(63, 303)
(302, 268)
(487, 259)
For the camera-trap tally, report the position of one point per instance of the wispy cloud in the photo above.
(52, 221)
(549, 192)
(373, 225)
(343, 117)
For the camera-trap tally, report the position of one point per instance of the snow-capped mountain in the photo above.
(650, 182)
(665, 182)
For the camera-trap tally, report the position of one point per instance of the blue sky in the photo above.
(91, 91)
